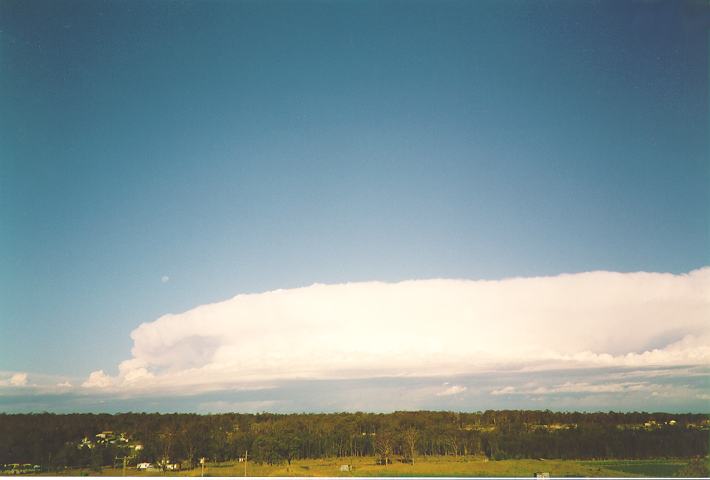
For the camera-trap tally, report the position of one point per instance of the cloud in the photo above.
(98, 379)
(509, 390)
(33, 383)
(585, 387)
(134, 371)
(578, 387)
(164, 279)
(452, 390)
(18, 380)
(686, 390)
(425, 328)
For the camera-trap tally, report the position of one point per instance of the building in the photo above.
(106, 437)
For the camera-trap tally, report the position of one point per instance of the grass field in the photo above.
(423, 467)
(647, 468)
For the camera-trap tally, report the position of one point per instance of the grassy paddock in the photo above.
(647, 468)
(423, 467)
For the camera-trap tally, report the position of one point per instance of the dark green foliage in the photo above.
(51, 440)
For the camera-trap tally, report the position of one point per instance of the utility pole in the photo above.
(124, 465)
(246, 458)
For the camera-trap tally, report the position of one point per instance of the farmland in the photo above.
(448, 466)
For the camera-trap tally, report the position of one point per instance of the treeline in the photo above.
(53, 441)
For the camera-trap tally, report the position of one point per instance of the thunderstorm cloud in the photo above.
(426, 328)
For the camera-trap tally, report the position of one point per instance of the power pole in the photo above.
(246, 458)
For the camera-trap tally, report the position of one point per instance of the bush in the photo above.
(697, 467)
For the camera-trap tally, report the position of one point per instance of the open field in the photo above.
(646, 468)
(424, 466)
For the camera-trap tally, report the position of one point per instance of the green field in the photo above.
(646, 468)
(423, 467)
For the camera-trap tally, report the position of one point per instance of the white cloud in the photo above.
(692, 371)
(426, 327)
(509, 390)
(586, 387)
(98, 379)
(164, 279)
(600, 388)
(33, 383)
(134, 370)
(18, 380)
(452, 390)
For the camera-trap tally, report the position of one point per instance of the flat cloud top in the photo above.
(425, 327)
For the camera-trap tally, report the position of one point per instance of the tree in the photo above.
(383, 446)
(165, 439)
(54, 441)
(410, 441)
(186, 439)
(266, 450)
(288, 445)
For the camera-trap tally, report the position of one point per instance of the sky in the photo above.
(374, 205)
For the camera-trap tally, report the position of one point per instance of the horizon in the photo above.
(378, 205)
(467, 412)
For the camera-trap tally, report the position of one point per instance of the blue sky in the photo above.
(231, 147)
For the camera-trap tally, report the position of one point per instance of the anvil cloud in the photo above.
(424, 328)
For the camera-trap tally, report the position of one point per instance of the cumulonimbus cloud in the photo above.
(426, 327)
